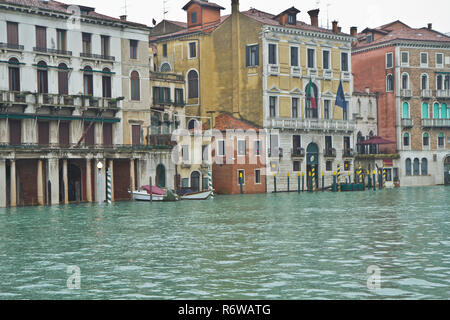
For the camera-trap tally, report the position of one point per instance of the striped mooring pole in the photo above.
(108, 186)
(384, 177)
(339, 175)
(289, 182)
(314, 179)
(210, 184)
(374, 180)
(298, 184)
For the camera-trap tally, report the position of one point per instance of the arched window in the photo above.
(416, 167)
(406, 139)
(165, 67)
(444, 111)
(425, 111)
(310, 111)
(156, 123)
(88, 83)
(193, 124)
(42, 77)
(426, 139)
(424, 82)
(436, 111)
(63, 79)
(360, 138)
(408, 167)
(166, 124)
(405, 81)
(135, 86)
(106, 83)
(370, 108)
(390, 82)
(14, 74)
(439, 81)
(405, 110)
(373, 147)
(424, 166)
(193, 84)
(441, 140)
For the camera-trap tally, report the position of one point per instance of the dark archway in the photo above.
(195, 181)
(161, 176)
(312, 162)
(74, 182)
(447, 171)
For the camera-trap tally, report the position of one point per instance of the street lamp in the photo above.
(99, 183)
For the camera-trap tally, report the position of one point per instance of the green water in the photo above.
(284, 246)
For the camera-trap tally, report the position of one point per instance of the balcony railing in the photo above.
(11, 46)
(52, 51)
(427, 93)
(298, 153)
(346, 76)
(436, 123)
(406, 93)
(161, 140)
(328, 74)
(275, 153)
(274, 69)
(407, 123)
(329, 153)
(13, 97)
(443, 93)
(74, 147)
(296, 72)
(313, 124)
(348, 153)
(96, 56)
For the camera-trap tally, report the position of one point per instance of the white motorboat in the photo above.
(144, 196)
(203, 195)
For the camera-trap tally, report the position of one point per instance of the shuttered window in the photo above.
(106, 84)
(136, 135)
(86, 43)
(294, 56)
(105, 45)
(15, 132)
(12, 33)
(61, 39)
(133, 49)
(43, 133)
(63, 79)
(42, 77)
(272, 53)
(63, 138)
(41, 37)
(14, 75)
(311, 58)
(135, 86)
(193, 84)
(89, 140)
(88, 81)
(107, 134)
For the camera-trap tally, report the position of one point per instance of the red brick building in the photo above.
(239, 153)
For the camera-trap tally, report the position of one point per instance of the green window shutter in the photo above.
(436, 111)
(444, 111)
(257, 55)
(405, 110)
(247, 54)
(425, 111)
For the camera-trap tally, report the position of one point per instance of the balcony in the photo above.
(52, 51)
(407, 123)
(162, 140)
(348, 153)
(346, 76)
(329, 153)
(274, 70)
(298, 153)
(406, 93)
(443, 94)
(312, 72)
(277, 153)
(52, 147)
(13, 97)
(427, 93)
(436, 123)
(166, 76)
(296, 72)
(11, 46)
(97, 56)
(328, 74)
(313, 124)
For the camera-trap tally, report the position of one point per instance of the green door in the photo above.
(160, 176)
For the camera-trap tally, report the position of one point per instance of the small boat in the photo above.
(144, 196)
(203, 195)
(158, 194)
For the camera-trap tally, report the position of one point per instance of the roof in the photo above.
(178, 23)
(203, 3)
(225, 122)
(57, 6)
(398, 30)
(290, 10)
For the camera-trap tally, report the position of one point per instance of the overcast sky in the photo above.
(368, 13)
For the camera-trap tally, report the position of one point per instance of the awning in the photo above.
(374, 141)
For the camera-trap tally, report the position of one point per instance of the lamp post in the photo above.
(99, 183)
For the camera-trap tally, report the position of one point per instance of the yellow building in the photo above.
(257, 67)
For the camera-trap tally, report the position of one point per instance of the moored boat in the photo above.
(158, 194)
(203, 195)
(144, 196)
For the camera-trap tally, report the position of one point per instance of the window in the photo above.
(329, 165)
(347, 144)
(441, 140)
(41, 37)
(205, 152)
(426, 140)
(444, 111)
(390, 82)
(134, 49)
(107, 134)
(221, 148)
(439, 82)
(328, 144)
(185, 153)
(389, 60)
(310, 111)
(291, 19)
(294, 57)
(424, 59)
(14, 74)
(88, 84)
(192, 50)
(273, 107)
(257, 176)
(106, 83)
(447, 82)
(388, 174)
(252, 56)
(344, 61)
(193, 84)
(179, 97)
(161, 95)
(61, 39)
(416, 167)
(165, 50)
(272, 53)
(274, 145)
(326, 59)
(405, 58)
(406, 139)
(311, 58)
(185, 183)
(258, 147)
(105, 47)
(326, 109)
(12, 29)
(425, 111)
(15, 132)
(242, 146)
(436, 111)
(439, 60)
(424, 82)
(63, 79)
(86, 38)
(194, 17)
(43, 133)
(424, 167)
(296, 144)
(42, 77)
(165, 67)
(64, 133)
(408, 167)
(295, 107)
(135, 86)
(89, 140)
(241, 177)
(296, 166)
(405, 114)
(405, 81)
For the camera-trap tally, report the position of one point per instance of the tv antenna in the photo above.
(125, 6)
(328, 15)
(165, 11)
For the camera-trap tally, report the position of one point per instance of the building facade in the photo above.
(409, 69)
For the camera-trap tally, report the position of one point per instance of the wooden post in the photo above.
(151, 190)
(275, 182)
(289, 182)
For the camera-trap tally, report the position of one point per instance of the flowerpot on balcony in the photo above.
(68, 101)
(19, 97)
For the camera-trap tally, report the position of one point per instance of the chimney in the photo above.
(234, 6)
(314, 15)
(354, 31)
(123, 18)
(430, 26)
(335, 26)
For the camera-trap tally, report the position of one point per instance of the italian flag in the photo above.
(310, 95)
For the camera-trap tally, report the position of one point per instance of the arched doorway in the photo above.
(160, 176)
(447, 171)
(74, 177)
(312, 161)
(195, 181)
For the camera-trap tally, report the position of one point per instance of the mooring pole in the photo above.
(374, 181)
(289, 182)
(334, 182)
(108, 186)
(303, 182)
(298, 184)
(240, 182)
(323, 181)
(275, 182)
(151, 190)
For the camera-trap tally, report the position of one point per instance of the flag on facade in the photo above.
(340, 97)
(310, 95)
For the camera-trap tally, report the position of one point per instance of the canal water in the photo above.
(282, 246)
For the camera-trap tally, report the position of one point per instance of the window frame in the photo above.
(221, 143)
(273, 98)
(313, 50)
(388, 87)
(134, 49)
(290, 56)
(258, 175)
(328, 60)
(192, 44)
(297, 107)
(391, 55)
(239, 146)
(424, 65)
(274, 60)
(250, 54)
(404, 64)
(441, 65)
(346, 63)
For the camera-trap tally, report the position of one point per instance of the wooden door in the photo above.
(135, 135)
